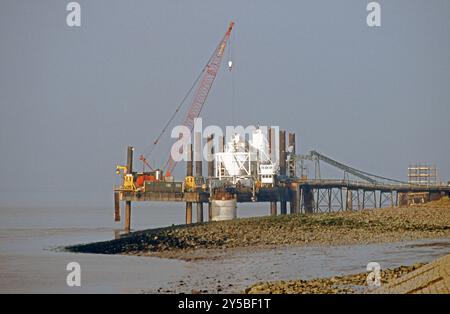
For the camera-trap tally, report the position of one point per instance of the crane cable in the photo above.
(230, 68)
(164, 129)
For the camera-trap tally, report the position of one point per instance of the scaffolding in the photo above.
(422, 174)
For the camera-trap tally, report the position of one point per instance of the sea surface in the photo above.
(31, 260)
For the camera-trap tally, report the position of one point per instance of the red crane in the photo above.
(208, 76)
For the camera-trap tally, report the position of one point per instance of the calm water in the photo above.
(29, 262)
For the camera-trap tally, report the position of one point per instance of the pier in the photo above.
(355, 191)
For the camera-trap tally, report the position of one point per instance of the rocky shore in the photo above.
(188, 242)
(349, 284)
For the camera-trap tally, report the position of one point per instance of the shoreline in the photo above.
(419, 278)
(214, 240)
(216, 254)
(270, 241)
(240, 269)
(347, 284)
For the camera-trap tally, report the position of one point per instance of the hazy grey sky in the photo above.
(72, 99)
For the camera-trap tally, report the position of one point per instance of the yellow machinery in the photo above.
(192, 183)
(128, 180)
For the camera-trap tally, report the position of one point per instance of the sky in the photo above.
(73, 99)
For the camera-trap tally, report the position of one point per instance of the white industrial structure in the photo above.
(240, 162)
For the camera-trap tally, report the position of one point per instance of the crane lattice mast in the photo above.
(209, 74)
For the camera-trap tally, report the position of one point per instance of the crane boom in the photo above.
(209, 74)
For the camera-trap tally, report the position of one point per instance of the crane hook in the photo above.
(230, 65)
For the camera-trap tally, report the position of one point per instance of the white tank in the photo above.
(235, 156)
(261, 145)
(223, 210)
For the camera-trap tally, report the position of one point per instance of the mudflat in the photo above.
(212, 239)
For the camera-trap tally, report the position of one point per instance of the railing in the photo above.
(392, 186)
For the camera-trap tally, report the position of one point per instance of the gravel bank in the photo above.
(431, 220)
(335, 285)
